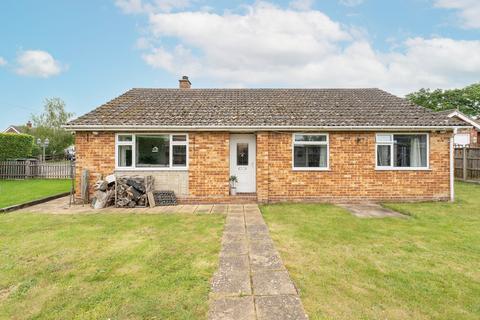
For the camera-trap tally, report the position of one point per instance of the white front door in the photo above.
(242, 161)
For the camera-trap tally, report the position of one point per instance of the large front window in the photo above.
(151, 151)
(310, 151)
(402, 151)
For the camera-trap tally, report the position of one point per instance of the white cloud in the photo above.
(37, 63)
(468, 11)
(350, 3)
(269, 45)
(2, 61)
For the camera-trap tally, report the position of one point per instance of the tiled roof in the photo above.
(261, 108)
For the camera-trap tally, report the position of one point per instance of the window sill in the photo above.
(402, 169)
(310, 169)
(152, 169)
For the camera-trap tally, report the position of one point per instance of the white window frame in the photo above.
(134, 151)
(392, 143)
(323, 143)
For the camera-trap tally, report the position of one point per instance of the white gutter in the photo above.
(130, 128)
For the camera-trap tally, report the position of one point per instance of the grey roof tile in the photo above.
(261, 107)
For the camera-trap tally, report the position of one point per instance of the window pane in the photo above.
(310, 156)
(124, 138)
(384, 138)
(410, 150)
(242, 154)
(153, 151)
(179, 158)
(383, 156)
(179, 137)
(304, 137)
(124, 156)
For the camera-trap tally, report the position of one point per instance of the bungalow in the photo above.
(465, 136)
(282, 144)
(18, 129)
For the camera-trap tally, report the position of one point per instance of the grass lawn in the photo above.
(423, 267)
(107, 266)
(20, 191)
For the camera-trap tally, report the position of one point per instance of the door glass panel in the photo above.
(242, 154)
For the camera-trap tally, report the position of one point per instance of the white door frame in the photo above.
(246, 174)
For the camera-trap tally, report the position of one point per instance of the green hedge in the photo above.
(13, 146)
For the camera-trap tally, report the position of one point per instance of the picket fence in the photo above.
(26, 169)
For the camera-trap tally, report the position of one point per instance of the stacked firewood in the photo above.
(131, 192)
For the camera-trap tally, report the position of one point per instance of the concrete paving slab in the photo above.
(249, 262)
(234, 248)
(232, 308)
(188, 208)
(261, 247)
(234, 263)
(234, 228)
(254, 220)
(272, 283)
(203, 209)
(235, 208)
(234, 219)
(231, 283)
(280, 307)
(269, 261)
(370, 210)
(220, 209)
(257, 228)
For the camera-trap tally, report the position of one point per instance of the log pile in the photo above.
(165, 198)
(104, 195)
(131, 192)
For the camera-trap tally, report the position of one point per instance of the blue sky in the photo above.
(88, 52)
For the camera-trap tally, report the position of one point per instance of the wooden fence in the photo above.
(25, 169)
(467, 163)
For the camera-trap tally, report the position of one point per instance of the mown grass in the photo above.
(107, 266)
(14, 192)
(423, 267)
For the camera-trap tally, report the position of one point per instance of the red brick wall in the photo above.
(352, 174)
(209, 164)
(95, 153)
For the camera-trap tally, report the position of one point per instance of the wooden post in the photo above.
(84, 186)
(464, 163)
(27, 169)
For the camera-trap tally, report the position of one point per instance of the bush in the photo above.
(13, 146)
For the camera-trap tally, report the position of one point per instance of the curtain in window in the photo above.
(323, 157)
(415, 152)
(383, 155)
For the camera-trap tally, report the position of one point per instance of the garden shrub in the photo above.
(14, 146)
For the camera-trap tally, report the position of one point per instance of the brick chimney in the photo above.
(29, 124)
(184, 83)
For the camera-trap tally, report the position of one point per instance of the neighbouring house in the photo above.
(282, 144)
(465, 136)
(18, 129)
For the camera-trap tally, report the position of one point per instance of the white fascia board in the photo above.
(10, 127)
(124, 128)
(465, 118)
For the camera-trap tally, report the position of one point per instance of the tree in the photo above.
(49, 125)
(467, 99)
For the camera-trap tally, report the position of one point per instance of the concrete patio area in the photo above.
(60, 206)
